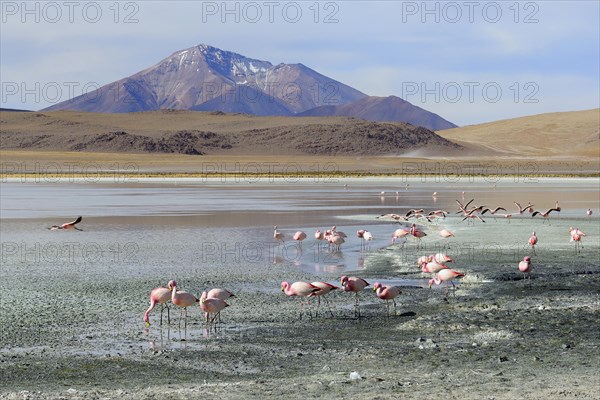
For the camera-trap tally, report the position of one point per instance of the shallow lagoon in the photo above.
(82, 294)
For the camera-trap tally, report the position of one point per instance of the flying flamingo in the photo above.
(546, 214)
(356, 285)
(218, 293)
(160, 295)
(324, 288)
(182, 299)
(395, 217)
(300, 289)
(532, 242)
(67, 225)
(299, 237)
(387, 293)
(211, 306)
(525, 267)
(528, 207)
(446, 275)
(507, 217)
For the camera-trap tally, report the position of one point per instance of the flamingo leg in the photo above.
(327, 302)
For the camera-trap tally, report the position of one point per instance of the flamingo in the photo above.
(528, 207)
(324, 288)
(576, 236)
(546, 214)
(433, 267)
(299, 237)
(319, 236)
(67, 225)
(218, 293)
(340, 233)
(589, 212)
(532, 242)
(278, 235)
(361, 235)
(507, 217)
(422, 260)
(446, 275)
(336, 241)
(160, 295)
(356, 285)
(387, 293)
(400, 234)
(525, 267)
(211, 305)
(182, 299)
(414, 211)
(494, 211)
(300, 289)
(441, 258)
(395, 217)
(417, 233)
(368, 236)
(446, 234)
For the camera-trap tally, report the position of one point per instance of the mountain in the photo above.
(384, 109)
(559, 134)
(206, 78)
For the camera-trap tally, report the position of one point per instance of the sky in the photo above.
(467, 61)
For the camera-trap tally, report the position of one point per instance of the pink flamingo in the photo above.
(546, 214)
(446, 275)
(417, 233)
(324, 288)
(67, 225)
(525, 267)
(400, 234)
(182, 299)
(218, 293)
(361, 235)
(423, 260)
(442, 258)
(433, 267)
(211, 306)
(338, 233)
(356, 285)
(319, 236)
(300, 289)
(160, 295)
(507, 217)
(528, 207)
(299, 237)
(387, 293)
(446, 234)
(278, 235)
(395, 217)
(532, 242)
(576, 236)
(336, 241)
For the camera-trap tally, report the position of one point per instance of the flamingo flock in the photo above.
(212, 302)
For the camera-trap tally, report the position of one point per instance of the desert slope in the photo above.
(214, 133)
(560, 134)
